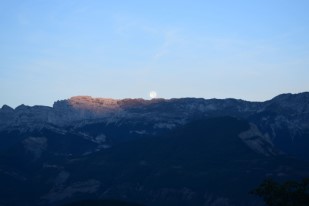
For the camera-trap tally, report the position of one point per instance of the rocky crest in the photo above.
(286, 113)
(80, 108)
(155, 152)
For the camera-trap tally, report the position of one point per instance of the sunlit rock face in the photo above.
(94, 104)
(284, 111)
(80, 108)
(86, 147)
(87, 108)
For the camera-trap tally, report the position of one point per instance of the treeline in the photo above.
(289, 193)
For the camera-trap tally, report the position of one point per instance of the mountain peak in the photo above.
(22, 107)
(288, 96)
(6, 108)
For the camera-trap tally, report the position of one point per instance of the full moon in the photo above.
(153, 94)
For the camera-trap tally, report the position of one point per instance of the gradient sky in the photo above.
(55, 49)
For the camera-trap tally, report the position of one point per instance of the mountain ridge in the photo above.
(83, 97)
(85, 108)
(283, 120)
(88, 102)
(186, 151)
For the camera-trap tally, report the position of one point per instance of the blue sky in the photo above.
(56, 49)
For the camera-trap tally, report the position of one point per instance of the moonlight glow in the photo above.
(153, 94)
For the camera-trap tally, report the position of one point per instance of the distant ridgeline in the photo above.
(184, 151)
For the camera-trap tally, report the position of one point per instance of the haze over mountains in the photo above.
(187, 151)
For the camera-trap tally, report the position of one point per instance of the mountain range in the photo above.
(187, 151)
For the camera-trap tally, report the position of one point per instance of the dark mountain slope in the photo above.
(159, 152)
(204, 162)
(284, 120)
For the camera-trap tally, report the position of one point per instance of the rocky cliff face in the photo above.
(282, 120)
(80, 108)
(156, 152)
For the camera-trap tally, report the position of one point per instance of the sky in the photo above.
(55, 49)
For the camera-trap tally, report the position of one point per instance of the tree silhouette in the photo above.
(289, 193)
